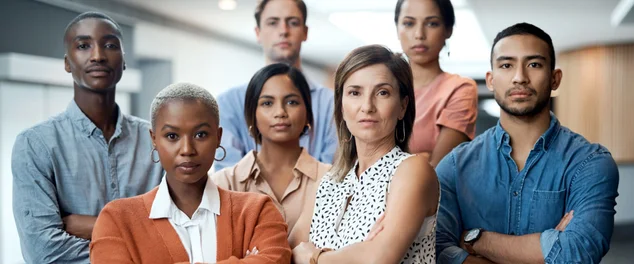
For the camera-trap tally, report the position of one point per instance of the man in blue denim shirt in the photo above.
(67, 168)
(528, 189)
(281, 29)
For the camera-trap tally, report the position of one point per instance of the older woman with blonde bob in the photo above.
(378, 203)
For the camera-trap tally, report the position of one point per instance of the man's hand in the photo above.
(79, 225)
(561, 227)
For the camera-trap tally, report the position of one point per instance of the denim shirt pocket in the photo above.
(546, 210)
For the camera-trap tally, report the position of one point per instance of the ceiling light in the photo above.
(227, 4)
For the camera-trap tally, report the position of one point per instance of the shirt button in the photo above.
(113, 185)
(515, 193)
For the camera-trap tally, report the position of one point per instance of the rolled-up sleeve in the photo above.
(592, 196)
(36, 209)
(449, 226)
(461, 110)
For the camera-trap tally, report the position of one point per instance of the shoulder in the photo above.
(125, 209)
(457, 81)
(233, 93)
(416, 169)
(137, 122)
(245, 201)
(49, 127)
(581, 152)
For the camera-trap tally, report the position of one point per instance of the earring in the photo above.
(224, 154)
(307, 128)
(396, 133)
(253, 133)
(152, 155)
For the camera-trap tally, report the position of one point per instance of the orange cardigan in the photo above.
(124, 233)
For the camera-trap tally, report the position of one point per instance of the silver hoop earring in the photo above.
(152, 155)
(396, 135)
(224, 154)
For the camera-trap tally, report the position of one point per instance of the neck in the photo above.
(296, 63)
(369, 152)
(525, 130)
(424, 74)
(186, 196)
(279, 155)
(100, 108)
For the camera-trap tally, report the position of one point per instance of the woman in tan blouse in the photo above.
(277, 111)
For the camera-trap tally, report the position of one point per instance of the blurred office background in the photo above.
(212, 43)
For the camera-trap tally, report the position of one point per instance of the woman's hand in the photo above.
(303, 252)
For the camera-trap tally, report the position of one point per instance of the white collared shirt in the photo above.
(197, 234)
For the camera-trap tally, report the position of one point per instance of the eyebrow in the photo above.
(167, 126)
(354, 86)
(272, 97)
(426, 18)
(530, 57)
(86, 37)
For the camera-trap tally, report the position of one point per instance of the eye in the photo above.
(201, 134)
(266, 103)
(294, 23)
(272, 23)
(171, 136)
(383, 93)
(535, 65)
(505, 66)
(83, 46)
(353, 93)
(111, 46)
(293, 102)
(432, 24)
(408, 23)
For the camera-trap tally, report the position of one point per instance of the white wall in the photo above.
(213, 64)
(625, 201)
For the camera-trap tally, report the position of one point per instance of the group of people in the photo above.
(384, 170)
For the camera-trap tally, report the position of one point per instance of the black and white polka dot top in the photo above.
(335, 227)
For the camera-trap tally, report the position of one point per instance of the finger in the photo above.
(374, 233)
(567, 220)
(559, 226)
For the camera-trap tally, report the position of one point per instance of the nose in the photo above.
(187, 147)
(97, 54)
(368, 104)
(283, 29)
(419, 32)
(280, 111)
(520, 76)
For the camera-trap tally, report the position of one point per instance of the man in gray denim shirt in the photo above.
(67, 168)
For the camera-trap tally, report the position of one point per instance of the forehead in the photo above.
(371, 75)
(419, 8)
(281, 8)
(520, 46)
(185, 112)
(280, 84)
(92, 27)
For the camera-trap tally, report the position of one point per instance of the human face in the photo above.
(521, 79)
(186, 137)
(421, 31)
(281, 111)
(371, 104)
(94, 55)
(281, 31)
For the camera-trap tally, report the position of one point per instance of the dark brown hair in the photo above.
(254, 89)
(356, 60)
(446, 11)
(262, 4)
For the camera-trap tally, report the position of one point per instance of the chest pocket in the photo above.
(546, 210)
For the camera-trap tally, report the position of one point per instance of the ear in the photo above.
(448, 33)
(404, 103)
(489, 81)
(305, 33)
(257, 33)
(66, 63)
(124, 65)
(556, 79)
(219, 135)
(153, 137)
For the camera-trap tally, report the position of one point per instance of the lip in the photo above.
(520, 94)
(98, 71)
(281, 126)
(420, 48)
(188, 167)
(283, 44)
(368, 122)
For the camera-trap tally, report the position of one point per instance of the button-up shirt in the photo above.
(245, 176)
(65, 166)
(483, 188)
(321, 141)
(198, 234)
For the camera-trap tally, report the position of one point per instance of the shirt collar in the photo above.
(164, 207)
(85, 124)
(544, 140)
(249, 168)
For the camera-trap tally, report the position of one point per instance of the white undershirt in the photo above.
(198, 234)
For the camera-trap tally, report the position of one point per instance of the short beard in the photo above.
(525, 112)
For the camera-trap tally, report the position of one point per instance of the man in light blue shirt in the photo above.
(67, 168)
(528, 190)
(281, 29)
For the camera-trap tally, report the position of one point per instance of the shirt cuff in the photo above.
(547, 241)
(452, 255)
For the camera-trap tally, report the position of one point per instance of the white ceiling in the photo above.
(571, 24)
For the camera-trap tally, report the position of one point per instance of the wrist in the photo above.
(471, 239)
(317, 253)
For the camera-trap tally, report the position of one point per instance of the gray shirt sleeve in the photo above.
(36, 209)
